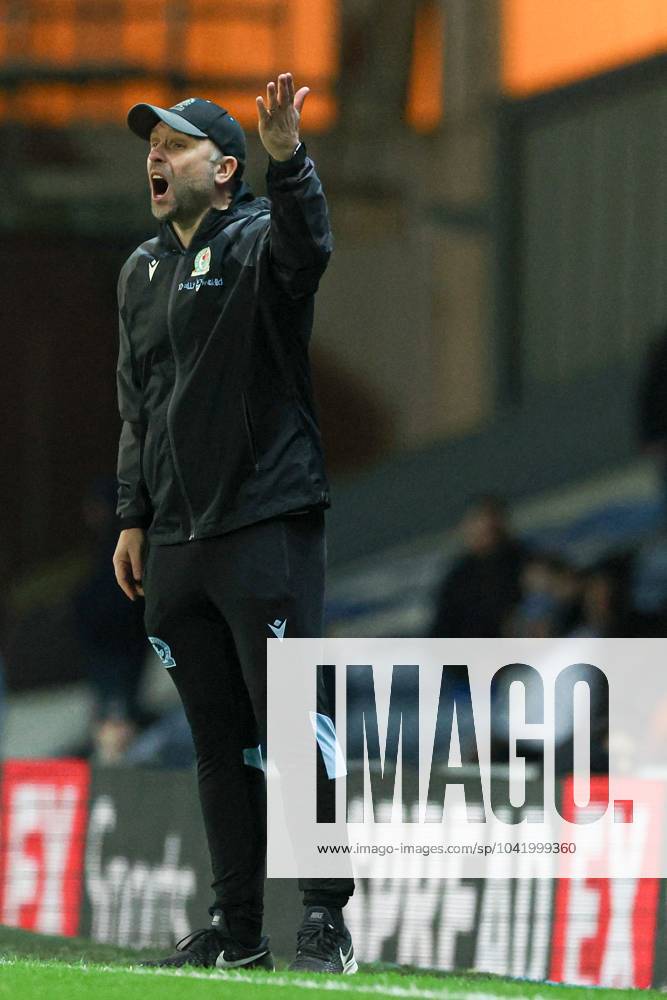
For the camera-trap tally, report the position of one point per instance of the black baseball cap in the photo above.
(194, 116)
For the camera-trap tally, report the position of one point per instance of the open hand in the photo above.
(279, 117)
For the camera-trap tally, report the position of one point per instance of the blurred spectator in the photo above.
(111, 632)
(606, 611)
(537, 612)
(649, 578)
(551, 598)
(559, 601)
(567, 587)
(478, 593)
(653, 409)
(165, 743)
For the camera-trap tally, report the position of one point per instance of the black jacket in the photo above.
(478, 593)
(214, 388)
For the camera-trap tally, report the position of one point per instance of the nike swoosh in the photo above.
(348, 961)
(222, 963)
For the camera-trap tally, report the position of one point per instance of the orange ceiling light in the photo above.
(548, 43)
(140, 44)
(144, 34)
(426, 83)
(302, 36)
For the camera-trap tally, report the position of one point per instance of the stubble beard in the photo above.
(190, 201)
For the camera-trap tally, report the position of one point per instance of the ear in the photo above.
(225, 169)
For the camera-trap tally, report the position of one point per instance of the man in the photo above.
(478, 593)
(221, 471)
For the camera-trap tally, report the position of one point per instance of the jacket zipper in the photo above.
(170, 435)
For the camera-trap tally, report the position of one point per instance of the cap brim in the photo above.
(142, 119)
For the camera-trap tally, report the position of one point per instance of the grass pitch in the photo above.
(34, 967)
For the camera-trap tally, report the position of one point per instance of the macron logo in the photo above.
(152, 264)
(278, 628)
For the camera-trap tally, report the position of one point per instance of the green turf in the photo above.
(34, 967)
(15, 943)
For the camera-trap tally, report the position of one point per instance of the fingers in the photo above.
(300, 97)
(128, 563)
(136, 560)
(264, 113)
(282, 94)
(283, 91)
(279, 113)
(124, 578)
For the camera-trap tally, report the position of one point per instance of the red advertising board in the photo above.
(42, 841)
(604, 929)
(86, 856)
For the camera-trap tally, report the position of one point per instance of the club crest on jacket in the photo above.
(202, 262)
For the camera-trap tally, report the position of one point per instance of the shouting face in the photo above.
(181, 174)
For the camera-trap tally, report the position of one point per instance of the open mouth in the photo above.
(159, 186)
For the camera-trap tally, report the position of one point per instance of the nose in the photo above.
(155, 153)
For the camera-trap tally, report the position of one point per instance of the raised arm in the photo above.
(299, 241)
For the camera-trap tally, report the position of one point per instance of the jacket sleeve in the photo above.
(299, 239)
(134, 507)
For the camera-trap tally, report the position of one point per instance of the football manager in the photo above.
(222, 487)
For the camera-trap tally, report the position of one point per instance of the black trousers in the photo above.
(211, 602)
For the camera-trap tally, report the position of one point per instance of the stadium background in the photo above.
(496, 175)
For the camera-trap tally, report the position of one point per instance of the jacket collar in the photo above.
(213, 222)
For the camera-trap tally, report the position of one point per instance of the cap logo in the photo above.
(183, 104)
(202, 262)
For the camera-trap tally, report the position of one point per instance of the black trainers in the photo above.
(322, 948)
(235, 956)
(212, 948)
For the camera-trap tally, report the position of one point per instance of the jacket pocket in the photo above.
(250, 433)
